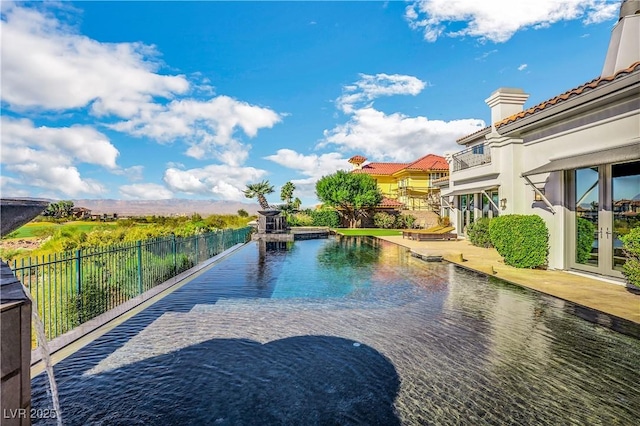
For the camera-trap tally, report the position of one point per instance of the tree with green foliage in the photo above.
(259, 190)
(243, 213)
(296, 203)
(63, 208)
(352, 194)
(286, 193)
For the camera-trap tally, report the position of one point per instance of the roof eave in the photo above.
(473, 137)
(600, 94)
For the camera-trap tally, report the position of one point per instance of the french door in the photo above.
(605, 204)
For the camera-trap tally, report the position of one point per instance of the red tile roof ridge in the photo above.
(590, 85)
(429, 162)
(380, 168)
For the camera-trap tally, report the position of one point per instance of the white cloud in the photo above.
(485, 55)
(522, 67)
(64, 69)
(145, 191)
(46, 157)
(498, 20)
(11, 187)
(208, 127)
(313, 166)
(397, 137)
(370, 87)
(221, 181)
(391, 137)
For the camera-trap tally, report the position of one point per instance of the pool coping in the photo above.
(123, 311)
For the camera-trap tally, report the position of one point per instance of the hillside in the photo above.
(165, 207)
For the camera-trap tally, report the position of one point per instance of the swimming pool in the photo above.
(349, 331)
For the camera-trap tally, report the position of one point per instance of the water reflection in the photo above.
(273, 331)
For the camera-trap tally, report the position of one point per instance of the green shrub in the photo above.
(478, 233)
(405, 221)
(384, 220)
(300, 219)
(584, 241)
(523, 240)
(329, 218)
(631, 247)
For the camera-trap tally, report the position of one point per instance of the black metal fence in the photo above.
(73, 287)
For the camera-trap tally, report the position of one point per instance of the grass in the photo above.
(35, 229)
(371, 232)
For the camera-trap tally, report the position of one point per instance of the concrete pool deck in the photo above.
(601, 295)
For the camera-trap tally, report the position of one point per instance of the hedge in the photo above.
(522, 240)
(329, 218)
(631, 247)
(478, 233)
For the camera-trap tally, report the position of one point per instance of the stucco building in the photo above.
(410, 185)
(572, 159)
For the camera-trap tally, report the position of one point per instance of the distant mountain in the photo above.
(165, 207)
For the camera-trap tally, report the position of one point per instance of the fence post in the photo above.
(139, 247)
(175, 258)
(197, 252)
(78, 261)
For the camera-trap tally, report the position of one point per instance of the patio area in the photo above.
(601, 295)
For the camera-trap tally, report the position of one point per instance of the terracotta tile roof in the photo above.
(388, 202)
(474, 133)
(357, 159)
(442, 179)
(380, 168)
(429, 162)
(569, 94)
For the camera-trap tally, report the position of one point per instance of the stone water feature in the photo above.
(15, 320)
(273, 227)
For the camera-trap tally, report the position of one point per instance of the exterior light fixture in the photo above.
(503, 203)
(537, 195)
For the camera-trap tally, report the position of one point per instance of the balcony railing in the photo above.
(471, 157)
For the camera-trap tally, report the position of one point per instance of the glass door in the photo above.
(586, 205)
(605, 201)
(625, 207)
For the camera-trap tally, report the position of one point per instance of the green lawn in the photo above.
(35, 229)
(372, 232)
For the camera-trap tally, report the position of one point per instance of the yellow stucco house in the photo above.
(410, 184)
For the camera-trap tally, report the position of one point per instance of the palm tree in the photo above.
(286, 193)
(259, 190)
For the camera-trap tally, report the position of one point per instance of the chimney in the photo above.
(624, 45)
(357, 161)
(505, 102)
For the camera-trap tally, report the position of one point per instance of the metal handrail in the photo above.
(476, 155)
(73, 287)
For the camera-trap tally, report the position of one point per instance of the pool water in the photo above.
(349, 331)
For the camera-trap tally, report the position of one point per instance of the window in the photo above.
(478, 149)
(488, 210)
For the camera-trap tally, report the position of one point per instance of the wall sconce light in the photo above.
(537, 196)
(503, 203)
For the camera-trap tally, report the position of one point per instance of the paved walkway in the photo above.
(603, 296)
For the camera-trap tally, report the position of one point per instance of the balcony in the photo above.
(476, 155)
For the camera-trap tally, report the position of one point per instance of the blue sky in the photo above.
(157, 100)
